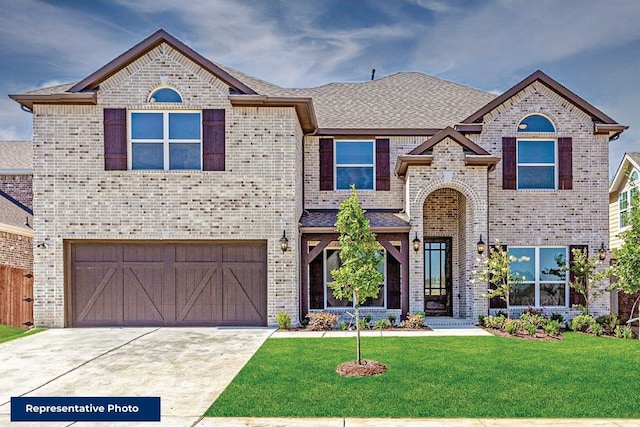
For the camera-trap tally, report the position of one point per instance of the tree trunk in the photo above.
(357, 304)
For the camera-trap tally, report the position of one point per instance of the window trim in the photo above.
(518, 130)
(626, 211)
(149, 98)
(556, 166)
(357, 165)
(166, 141)
(326, 280)
(537, 280)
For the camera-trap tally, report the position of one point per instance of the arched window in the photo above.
(536, 123)
(165, 94)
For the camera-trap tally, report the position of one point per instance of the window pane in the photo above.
(361, 177)
(536, 152)
(552, 294)
(354, 152)
(184, 156)
(536, 123)
(166, 95)
(551, 261)
(624, 220)
(147, 156)
(333, 263)
(623, 201)
(525, 263)
(146, 126)
(184, 125)
(375, 302)
(523, 294)
(536, 177)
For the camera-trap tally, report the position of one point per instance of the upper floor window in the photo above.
(625, 203)
(165, 94)
(355, 164)
(165, 140)
(537, 157)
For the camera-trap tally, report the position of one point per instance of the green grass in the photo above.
(8, 333)
(580, 376)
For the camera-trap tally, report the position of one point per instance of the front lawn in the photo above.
(450, 377)
(8, 333)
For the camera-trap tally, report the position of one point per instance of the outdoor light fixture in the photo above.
(416, 243)
(481, 246)
(42, 245)
(602, 252)
(284, 242)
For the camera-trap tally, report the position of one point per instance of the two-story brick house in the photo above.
(171, 190)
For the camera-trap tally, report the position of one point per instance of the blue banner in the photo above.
(85, 409)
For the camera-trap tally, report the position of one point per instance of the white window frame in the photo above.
(357, 165)
(327, 279)
(626, 211)
(537, 281)
(554, 164)
(165, 138)
(151, 100)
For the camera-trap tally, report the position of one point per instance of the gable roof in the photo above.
(597, 115)
(16, 157)
(14, 216)
(632, 160)
(456, 136)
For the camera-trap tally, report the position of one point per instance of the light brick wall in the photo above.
(256, 198)
(547, 218)
(19, 187)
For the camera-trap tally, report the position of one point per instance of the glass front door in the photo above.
(437, 276)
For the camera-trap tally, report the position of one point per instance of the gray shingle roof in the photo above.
(634, 156)
(12, 214)
(16, 156)
(327, 218)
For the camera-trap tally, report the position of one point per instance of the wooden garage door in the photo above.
(168, 284)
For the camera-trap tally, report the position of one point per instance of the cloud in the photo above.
(15, 124)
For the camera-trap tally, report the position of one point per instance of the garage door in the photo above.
(168, 284)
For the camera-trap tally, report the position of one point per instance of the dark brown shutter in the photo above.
(565, 164)
(316, 284)
(213, 140)
(393, 282)
(509, 163)
(115, 139)
(496, 302)
(326, 164)
(383, 176)
(575, 297)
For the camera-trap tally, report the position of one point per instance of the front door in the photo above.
(437, 276)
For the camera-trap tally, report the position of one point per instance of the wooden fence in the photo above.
(16, 297)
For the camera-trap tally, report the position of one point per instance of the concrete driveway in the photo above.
(187, 367)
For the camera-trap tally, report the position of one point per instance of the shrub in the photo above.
(392, 319)
(481, 319)
(533, 318)
(381, 324)
(305, 321)
(343, 326)
(530, 327)
(582, 323)
(322, 321)
(501, 313)
(512, 326)
(609, 322)
(595, 329)
(368, 318)
(623, 332)
(551, 327)
(284, 321)
(414, 321)
(557, 317)
(494, 322)
(363, 324)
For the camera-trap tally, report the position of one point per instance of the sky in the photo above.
(590, 46)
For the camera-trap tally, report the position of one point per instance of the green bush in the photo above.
(595, 329)
(322, 321)
(343, 326)
(557, 317)
(623, 332)
(363, 323)
(530, 327)
(414, 321)
(551, 327)
(381, 324)
(512, 326)
(533, 318)
(609, 322)
(481, 319)
(284, 321)
(392, 319)
(494, 322)
(368, 318)
(582, 323)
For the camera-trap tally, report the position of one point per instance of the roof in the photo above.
(14, 216)
(631, 159)
(325, 219)
(16, 157)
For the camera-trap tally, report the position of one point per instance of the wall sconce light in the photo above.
(602, 252)
(481, 246)
(42, 245)
(416, 243)
(284, 242)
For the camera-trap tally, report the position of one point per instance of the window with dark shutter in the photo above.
(115, 138)
(575, 298)
(383, 176)
(316, 284)
(565, 164)
(509, 163)
(213, 140)
(326, 164)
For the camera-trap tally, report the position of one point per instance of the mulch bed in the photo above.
(539, 336)
(366, 369)
(307, 329)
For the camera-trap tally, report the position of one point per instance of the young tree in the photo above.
(496, 270)
(358, 277)
(586, 276)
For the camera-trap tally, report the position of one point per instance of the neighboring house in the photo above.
(173, 191)
(16, 232)
(623, 190)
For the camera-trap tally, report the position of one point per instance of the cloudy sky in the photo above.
(590, 46)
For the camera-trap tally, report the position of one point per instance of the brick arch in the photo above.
(463, 188)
